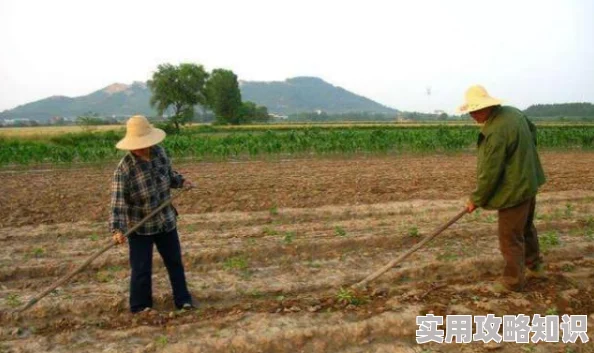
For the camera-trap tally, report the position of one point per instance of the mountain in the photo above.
(294, 95)
(116, 99)
(307, 94)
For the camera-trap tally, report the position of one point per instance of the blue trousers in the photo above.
(141, 263)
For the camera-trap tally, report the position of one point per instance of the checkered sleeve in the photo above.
(119, 209)
(177, 180)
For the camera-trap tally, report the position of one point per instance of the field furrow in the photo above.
(275, 275)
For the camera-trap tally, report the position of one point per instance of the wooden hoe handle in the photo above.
(399, 259)
(111, 244)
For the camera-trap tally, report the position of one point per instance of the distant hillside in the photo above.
(307, 94)
(116, 99)
(561, 110)
(295, 95)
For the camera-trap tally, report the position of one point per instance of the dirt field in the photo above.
(270, 249)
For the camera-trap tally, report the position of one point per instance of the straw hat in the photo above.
(140, 134)
(477, 98)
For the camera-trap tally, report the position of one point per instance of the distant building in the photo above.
(17, 122)
(441, 115)
(279, 117)
(56, 120)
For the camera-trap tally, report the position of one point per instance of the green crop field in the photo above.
(212, 142)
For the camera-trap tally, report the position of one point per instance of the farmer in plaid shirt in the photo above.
(141, 183)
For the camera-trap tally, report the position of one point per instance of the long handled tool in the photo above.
(392, 263)
(96, 255)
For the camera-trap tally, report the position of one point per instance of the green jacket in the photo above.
(508, 167)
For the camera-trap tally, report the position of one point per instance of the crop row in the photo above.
(197, 143)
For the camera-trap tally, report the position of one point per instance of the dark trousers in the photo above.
(518, 242)
(141, 263)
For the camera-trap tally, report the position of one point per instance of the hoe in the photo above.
(400, 258)
(111, 244)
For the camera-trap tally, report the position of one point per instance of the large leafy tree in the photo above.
(251, 112)
(179, 88)
(223, 96)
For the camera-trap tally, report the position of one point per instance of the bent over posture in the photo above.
(509, 174)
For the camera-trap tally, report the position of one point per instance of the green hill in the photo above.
(308, 94)
(295, 95)
(114, 100)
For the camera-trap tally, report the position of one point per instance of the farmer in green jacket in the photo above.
(509, 175)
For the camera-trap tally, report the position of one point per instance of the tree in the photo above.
(89, 120)
(180, 88)
(223, 96)
(250, 112)
(564, 109)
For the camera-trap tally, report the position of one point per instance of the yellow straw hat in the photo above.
(477, 98)
(140, 134)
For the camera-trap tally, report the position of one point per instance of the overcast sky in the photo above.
(524, 52)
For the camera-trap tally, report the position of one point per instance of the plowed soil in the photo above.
(271, 248)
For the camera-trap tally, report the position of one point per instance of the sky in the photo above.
(522, 51)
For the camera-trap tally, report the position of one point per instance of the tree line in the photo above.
(365, 116)
(179, 89)
(561, 110)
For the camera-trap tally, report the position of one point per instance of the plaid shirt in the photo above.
(139, 187)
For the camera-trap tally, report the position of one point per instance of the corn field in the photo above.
(217, 143)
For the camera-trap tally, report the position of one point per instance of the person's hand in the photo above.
(118, 237)
(470, 206)
(188, 184)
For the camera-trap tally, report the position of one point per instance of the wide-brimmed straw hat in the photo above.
(477, 98)
(140, 134)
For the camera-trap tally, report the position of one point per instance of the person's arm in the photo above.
(490, 170)
(532, 128)
(118, 217)
(177, 180)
